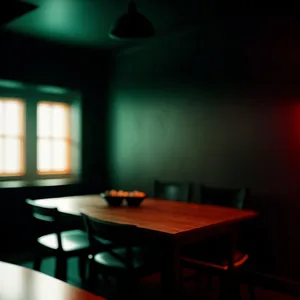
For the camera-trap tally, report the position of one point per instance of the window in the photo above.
(53, 138)
(12, 137)
(40, 134)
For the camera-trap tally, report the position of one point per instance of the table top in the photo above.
(166, 216)
(19, 283)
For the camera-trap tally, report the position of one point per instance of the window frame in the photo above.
(21, 138)
(31, 97)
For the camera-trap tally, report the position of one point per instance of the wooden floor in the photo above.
(150, 286)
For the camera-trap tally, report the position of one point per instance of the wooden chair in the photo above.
(207, 255)
(126, 261)
(61, 244)
(176, 191)
(223, 196)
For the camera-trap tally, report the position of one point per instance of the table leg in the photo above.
(233, 288)
(171, 274)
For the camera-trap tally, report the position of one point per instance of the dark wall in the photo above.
(221, 107)
(37, 62)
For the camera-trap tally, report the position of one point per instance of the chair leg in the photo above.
(128, 288)
(251, 292)
(164, 283)
(237, 293)
(228, 289)
(92, 273)
(181, 289)
(61, 268)
(198, 278)
(225, 292)
(210, 282)
(208, 287)
(120, 292)
(223, 289)
(198, 281)
(105, 280)
(133, 288)
(82, 268)
(37, 262)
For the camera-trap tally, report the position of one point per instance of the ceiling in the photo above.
(87, 22)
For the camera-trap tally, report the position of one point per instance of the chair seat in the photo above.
(215, 262)
(115, 259)
(72, 240)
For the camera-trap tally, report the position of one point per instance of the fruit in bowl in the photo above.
(115, 198)
(136, 194)
(135, 198)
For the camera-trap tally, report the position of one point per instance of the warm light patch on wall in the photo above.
(54, 138)
(12, 135)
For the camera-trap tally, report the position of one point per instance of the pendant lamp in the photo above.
(132, 25)
(12, 9)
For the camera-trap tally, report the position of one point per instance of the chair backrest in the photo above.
(120, 235)
(177, 191)
(229, 197)
(48, 215)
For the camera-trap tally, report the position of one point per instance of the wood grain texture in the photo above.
(178, 223)
(158, 215)
(19, 283)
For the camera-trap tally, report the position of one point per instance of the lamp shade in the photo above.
(132, 25)
(12, 9)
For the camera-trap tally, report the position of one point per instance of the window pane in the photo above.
(1, 117)
(60, 119)
(44, 119)
(60, 155)
(12, 118)
(44, 155)
(1, 155)
(53, 126)
(12, 152)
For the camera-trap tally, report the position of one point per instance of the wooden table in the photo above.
(177, 223)
(19, 283)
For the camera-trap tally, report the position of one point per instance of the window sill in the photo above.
(38, 183)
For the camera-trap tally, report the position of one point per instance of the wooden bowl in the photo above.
(112, 200)
(134, 201)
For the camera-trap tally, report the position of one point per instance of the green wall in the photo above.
(221, 108)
